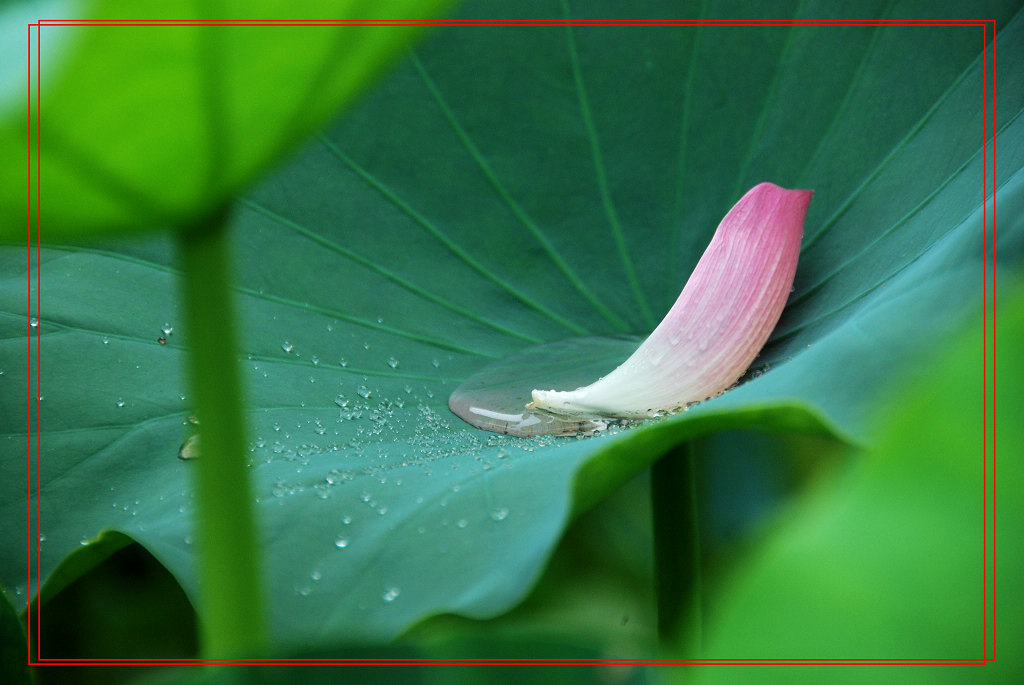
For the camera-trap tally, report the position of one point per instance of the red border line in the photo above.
(28, 343)
(984, 348)
(517, 22)
(547, 662)
(39, 379)
(34, 202)
(994, 129)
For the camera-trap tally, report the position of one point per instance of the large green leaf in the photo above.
(505, 187)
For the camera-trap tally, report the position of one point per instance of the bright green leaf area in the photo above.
(505, 187)
(895, 560)
(160, 124)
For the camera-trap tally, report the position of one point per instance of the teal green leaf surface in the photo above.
(159, 124)
(505, 187)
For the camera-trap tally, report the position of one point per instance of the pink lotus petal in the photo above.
(719, 323)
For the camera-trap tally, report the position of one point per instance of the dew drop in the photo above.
(392, 362)
(167, 329)
(287, 346)
(316, 575)
(366, 345)
(435, 363)
(343, 362)
(162, 340)
(106, 340)
(499, 514)
(120, 402)
(462, 523)
(364, 392)
(315, 359)
(190, 448)
(33, 322)
(341, 542)
(391, 594)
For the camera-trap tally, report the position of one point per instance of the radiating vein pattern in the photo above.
(602, 177)
(676, 233)
(290, 302)
(514, 206)
(844, 104)
(386, 273)
(901, 145)
(455, 249)
(755, 138)
(809, 290)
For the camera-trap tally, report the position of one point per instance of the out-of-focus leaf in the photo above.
(895, 561)
(147, 125)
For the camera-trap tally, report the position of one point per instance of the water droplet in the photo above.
(304, 590)
(33, 322)
(366, 345)
(435, 363)
(120, 402)
(346, 520)
(391, 594)
(106, 340)
(316, 575)
(190, 448)
(499, 514)
(167, 329)
(315, 359)
(341, 542)
(287, 346)
(462, 523)
(364, 392)
(84, 541)
(392, 362)
(380, 319)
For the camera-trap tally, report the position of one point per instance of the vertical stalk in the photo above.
(231, 591)
(677, 552)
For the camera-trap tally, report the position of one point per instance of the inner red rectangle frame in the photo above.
(988, 390)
